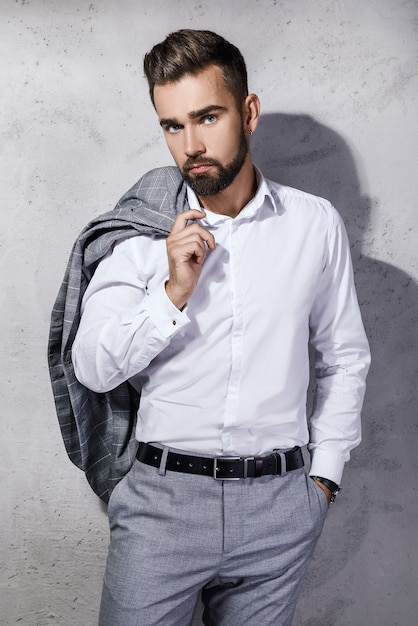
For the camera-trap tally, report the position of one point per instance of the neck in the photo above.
(233, 199)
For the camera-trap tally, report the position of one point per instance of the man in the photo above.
(211, 326)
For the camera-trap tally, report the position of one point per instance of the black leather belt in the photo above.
(223, 467)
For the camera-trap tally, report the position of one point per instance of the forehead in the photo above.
(192, 92)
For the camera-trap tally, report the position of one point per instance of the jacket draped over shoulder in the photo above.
(98, 428)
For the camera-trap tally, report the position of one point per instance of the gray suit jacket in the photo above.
(99, 429)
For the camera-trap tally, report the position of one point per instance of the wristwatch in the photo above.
(329, 484)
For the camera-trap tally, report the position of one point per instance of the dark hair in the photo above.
(191, 51)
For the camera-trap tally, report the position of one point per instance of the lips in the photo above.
(199, 169)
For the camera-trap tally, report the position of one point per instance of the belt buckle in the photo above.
(216, 469)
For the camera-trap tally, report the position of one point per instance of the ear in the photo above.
(251, 113)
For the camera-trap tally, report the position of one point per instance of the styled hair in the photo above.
(192, 51)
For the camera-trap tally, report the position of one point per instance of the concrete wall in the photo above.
(338, 84)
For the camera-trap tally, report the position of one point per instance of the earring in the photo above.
(251, 132)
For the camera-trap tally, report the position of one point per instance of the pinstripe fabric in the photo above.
(98, 429)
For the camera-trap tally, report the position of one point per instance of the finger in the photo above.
(203, 234)
(182, 218)
(199, 253)
(187, 247)
(194, 229)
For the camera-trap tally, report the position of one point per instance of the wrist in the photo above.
(179, 301)
(332, 487)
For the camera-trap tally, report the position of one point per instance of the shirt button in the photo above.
(174, 322)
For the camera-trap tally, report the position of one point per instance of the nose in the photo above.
(193, 144)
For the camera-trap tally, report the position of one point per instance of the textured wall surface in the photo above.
(338, 84)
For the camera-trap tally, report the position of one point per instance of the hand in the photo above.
(186, 251)
(325, 490)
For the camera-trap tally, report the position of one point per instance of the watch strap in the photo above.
(329, 484)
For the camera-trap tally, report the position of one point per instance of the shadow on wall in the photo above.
(297, 151)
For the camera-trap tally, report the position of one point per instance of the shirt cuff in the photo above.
(167, 318)
(326, 465)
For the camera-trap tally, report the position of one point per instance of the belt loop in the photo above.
(283, 468)
(163, 462)
(258, 467)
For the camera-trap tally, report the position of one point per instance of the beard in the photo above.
(207, 184)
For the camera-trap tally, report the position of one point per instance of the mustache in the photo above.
(193, 162)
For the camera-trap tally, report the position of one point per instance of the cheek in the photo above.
(232, 145)
(225, 143)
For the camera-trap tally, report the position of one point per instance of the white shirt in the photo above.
(228, 375)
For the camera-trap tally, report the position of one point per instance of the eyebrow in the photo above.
(193, 115)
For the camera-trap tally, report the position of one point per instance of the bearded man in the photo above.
(211, 326)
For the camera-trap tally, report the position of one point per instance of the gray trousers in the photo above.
(244, 544)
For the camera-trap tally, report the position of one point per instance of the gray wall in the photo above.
(338, 85)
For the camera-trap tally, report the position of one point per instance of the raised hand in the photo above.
(186, 251)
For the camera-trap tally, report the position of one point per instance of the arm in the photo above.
(122, 326)
(342, 360)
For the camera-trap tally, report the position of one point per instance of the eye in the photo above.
(173, 128)
(209, 119)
